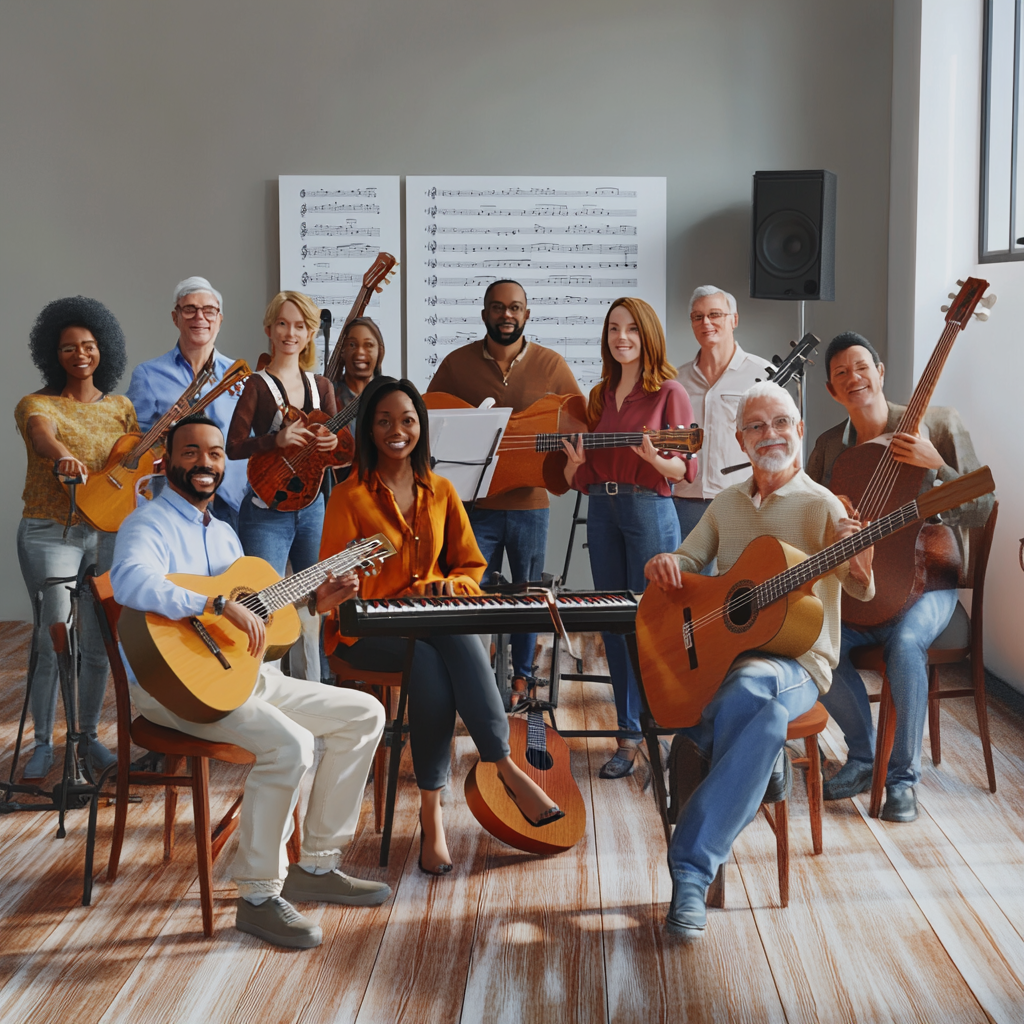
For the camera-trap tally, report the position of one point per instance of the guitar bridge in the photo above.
(689, 641)
(211, 644)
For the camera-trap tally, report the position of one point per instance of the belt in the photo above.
(612, 488)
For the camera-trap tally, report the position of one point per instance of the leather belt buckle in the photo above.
(611, 487)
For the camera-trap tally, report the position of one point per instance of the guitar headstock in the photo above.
(683, 439)
(377, 276)
(966, 301)
(373, 551)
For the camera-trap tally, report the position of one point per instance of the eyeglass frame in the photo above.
(759, 427)
(196, 310)
(714, 316)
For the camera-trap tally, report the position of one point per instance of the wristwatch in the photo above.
(218, 604)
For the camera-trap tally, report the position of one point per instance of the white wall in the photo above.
(983, 377)
(142, 143)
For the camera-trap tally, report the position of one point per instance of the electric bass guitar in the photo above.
(543, 755)
(289, 479)
(530, 454)
(200, 667)
(109, 496)
(688, 638)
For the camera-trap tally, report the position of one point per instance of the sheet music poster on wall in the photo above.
(574, 243)
(332, 227)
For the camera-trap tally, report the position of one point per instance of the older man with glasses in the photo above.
(715, 381)
(157, 384)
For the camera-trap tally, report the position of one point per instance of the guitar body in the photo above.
(174, 665)
(907, 563)
(680, 682)
(496, 812)
(108, 497)
(289, 479)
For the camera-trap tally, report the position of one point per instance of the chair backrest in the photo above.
(981, 547)
(108, 611)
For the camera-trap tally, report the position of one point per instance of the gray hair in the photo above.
(709, 289)
(197, 284)
(765, 389)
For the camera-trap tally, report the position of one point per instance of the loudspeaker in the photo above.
(793, 251)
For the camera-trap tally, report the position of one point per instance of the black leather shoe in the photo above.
(687, 913)
(853, 778)
(900, 804)
(618, 767)
(780, 785)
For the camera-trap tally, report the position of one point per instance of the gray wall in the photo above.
(142, 143)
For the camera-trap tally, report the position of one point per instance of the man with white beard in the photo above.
(742, 731)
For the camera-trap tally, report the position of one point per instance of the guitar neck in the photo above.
(553, 442)
(358, 308)
(344, 416)
(536, 736)
(922, 396)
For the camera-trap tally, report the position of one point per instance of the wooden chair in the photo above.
(807, 728)
(382, 685)
(176, 747)
(961, 640)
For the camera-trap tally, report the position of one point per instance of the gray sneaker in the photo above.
(278, 922)
(333, 887)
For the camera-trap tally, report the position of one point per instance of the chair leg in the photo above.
(379, 772)
(981, 707)
(782, 849)
(716, 890)
(934, 735)
(814, 790)
(883, 747)
(204, 853)
(295, 840)
(122, 791)
(172, 765)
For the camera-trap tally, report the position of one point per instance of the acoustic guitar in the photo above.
(289, 479)
(543, 755)
(109, 496)
(200, 667)
(926, 557)
(688, 638)
(530, 453)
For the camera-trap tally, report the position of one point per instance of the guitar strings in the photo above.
(337, 420)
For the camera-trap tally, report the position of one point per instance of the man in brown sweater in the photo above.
(504, 366)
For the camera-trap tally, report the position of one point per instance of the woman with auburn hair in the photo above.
(260, 423)
(631, 517)
(395, 493)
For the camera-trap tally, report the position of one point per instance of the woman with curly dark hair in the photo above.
(69, 427)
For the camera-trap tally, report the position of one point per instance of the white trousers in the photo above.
(278, 724)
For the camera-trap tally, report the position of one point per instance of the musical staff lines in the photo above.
(337, 229)
(575, 244)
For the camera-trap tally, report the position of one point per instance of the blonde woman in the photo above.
(259, 424)
(631, 517)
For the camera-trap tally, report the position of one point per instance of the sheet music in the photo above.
(460, 441)
(331, 229)
(575, 244)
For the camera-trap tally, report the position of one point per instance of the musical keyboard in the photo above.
(582, 611)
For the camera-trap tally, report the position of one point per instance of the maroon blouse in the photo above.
(668, 407)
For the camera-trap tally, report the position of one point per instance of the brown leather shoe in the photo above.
(520, 689)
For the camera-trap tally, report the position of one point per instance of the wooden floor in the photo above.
(920, 922)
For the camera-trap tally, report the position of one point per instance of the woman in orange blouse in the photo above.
(396, 494)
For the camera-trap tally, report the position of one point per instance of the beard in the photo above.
(182, 479)
(774, 461)
(494, 333)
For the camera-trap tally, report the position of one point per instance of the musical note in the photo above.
(531, 265)
(585, 247)
(323, 193)
(339, 208)
(610, 191)
(343, 302)
(338, 229)
(541, 210)
(356, 250)
(536, 229)
(325, 277)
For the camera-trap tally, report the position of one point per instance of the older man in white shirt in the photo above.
(715, 382)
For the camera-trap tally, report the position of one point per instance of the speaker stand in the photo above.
(801, 390)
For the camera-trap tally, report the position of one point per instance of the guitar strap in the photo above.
(282, 401)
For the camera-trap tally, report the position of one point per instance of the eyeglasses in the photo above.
(714, 316)
(779, 424)
(189, 312)
(498, 308)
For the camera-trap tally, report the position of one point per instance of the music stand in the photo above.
(463, 447)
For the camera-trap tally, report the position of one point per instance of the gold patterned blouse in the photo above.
(87, 429)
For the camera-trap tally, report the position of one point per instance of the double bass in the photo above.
(926, 557)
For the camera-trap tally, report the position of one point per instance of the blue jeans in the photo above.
(522, 534)
(43, 551)
(625, 531)
(742, 729)
(906, 643)
(689, 512)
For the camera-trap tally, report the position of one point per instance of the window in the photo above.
(1002, 197)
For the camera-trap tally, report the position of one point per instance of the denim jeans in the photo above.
(906, 642)
(522, 534)
(689, 512)
(280, 537)
(742, 729)
(43, 551)
(625, 531)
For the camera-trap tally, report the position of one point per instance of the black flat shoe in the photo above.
(853, 778)
(618, 767)
(687, 913)
(552, 814)
(441, 869)
(900, 804)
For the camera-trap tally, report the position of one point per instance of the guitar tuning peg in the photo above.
(792, 344)
(944, 309)
(982, 315)
(810, 362)
(960, 284)
(951, 295)
(990, 300)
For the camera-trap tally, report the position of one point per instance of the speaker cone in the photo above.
(787, 244)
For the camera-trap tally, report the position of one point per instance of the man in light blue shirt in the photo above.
(158, 383)
(176, 533)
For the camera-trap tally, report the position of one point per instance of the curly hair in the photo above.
(78, 311)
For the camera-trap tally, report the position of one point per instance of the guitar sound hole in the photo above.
(295, 485)
(539, 759)
(741, 610)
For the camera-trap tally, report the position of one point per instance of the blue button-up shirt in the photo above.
(157, 384)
